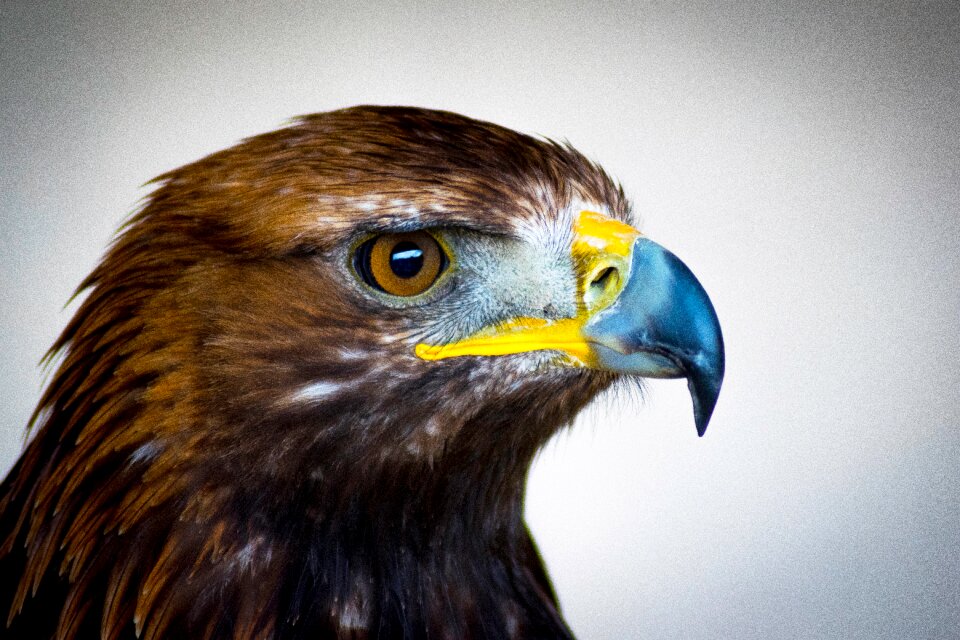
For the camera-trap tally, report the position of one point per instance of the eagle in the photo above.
(304, 387)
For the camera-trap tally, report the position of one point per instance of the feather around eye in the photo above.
(401, 264)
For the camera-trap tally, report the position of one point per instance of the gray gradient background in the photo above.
(801, 157)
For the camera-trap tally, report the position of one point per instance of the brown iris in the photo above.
(401, 264)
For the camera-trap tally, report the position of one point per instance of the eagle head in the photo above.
(306, 383)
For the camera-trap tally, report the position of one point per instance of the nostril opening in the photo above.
(604, 278)
(604, 282)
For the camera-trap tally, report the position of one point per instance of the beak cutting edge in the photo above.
(644, 313)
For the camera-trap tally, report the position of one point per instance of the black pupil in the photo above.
(406, 259)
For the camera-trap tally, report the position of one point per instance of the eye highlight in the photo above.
(401, 264)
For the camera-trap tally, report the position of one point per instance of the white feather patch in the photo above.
(314, 391)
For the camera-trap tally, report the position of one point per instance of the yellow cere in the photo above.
(596, 233)
(601, 252)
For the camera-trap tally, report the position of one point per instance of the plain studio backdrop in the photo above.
(801, 158)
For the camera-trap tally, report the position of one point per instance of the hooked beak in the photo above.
(643, 312)
(662, 325)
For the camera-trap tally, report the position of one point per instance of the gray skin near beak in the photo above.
(662, 325)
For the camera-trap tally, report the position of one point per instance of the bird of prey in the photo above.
(302, 393)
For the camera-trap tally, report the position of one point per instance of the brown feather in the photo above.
(171, 489)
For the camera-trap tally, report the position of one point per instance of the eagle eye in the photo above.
(401, 264)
